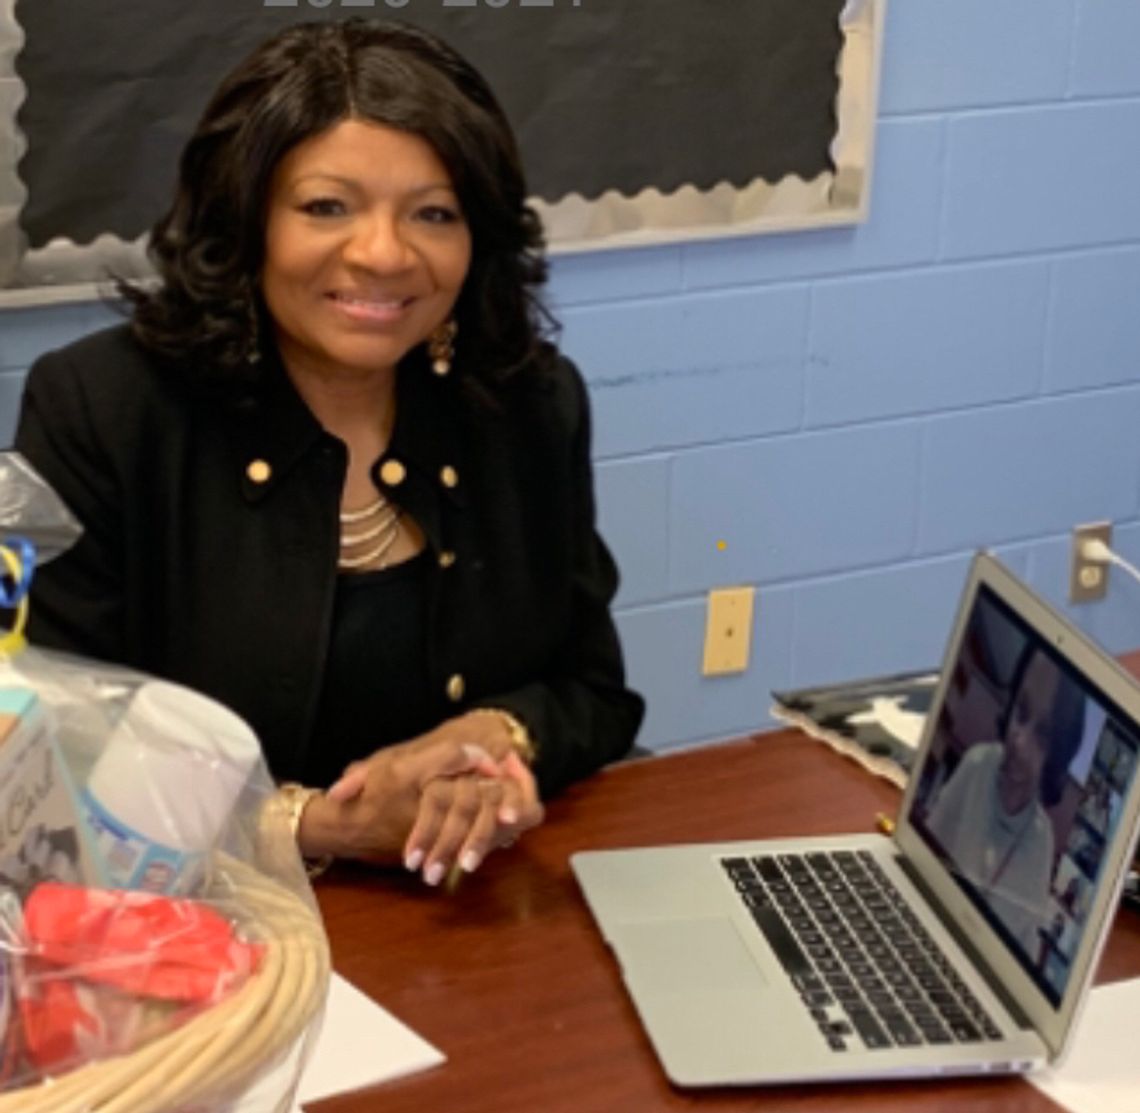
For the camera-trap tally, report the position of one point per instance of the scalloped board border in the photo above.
(64, 271)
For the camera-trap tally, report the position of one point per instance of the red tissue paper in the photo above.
(145, 944)
(105, 970)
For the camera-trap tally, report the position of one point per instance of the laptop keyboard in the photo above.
(865, 967)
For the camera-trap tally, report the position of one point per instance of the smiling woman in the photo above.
(366, 249)
(332, 474)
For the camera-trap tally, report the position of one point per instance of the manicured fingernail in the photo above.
(414, 859)
(469, 863)
(433, 875)
(477, 754)
(508, 816)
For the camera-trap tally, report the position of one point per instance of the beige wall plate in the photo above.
(728, 630)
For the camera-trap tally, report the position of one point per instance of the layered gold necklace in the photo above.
(367, 535)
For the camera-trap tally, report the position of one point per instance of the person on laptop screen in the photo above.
(990, 816)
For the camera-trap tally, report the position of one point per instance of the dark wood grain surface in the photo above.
(509, 977)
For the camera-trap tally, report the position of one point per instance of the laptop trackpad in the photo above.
(686, 957)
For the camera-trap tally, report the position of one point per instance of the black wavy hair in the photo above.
(1067, 723)
(208, 248)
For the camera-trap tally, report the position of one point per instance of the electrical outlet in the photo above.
(1088, 579)
(728, 631)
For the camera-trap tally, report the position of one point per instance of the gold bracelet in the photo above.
(521, 741)
(295, 798)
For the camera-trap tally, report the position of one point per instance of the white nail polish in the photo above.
(469, 863)
(414, 860)
(433, 875)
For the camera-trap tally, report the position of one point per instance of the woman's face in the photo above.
(366, 249)
(1028, 734)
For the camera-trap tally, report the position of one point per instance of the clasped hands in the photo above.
(447, 798)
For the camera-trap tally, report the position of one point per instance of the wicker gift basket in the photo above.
(203, 843)
(208, 1062)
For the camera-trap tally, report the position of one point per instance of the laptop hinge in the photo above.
(963, 940)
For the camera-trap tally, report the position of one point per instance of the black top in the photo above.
(211, 536)
(375, 688)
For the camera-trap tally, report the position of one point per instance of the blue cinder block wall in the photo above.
(841, 417)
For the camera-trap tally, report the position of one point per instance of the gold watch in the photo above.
(521, 741)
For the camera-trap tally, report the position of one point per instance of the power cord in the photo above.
(1098, 552)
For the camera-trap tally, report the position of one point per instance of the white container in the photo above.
(165, 785)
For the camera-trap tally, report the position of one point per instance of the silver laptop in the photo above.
(964, 943)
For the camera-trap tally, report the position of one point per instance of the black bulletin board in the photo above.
(614, 102)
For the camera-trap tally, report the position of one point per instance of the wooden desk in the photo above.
(510, 978)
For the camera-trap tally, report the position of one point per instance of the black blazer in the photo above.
(198, 568)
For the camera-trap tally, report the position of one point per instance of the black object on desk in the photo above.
(875, 721)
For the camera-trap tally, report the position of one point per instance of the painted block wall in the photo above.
(841, 417)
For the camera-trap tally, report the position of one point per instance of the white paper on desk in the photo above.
(360, 1044)
(1101, 1073)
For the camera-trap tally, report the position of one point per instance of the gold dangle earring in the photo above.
(441, 347)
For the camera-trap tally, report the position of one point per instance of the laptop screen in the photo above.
(1023, 787)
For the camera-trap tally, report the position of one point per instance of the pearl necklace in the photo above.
(378, 526)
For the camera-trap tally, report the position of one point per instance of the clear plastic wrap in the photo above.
(30, 508)
(160, 946)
